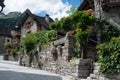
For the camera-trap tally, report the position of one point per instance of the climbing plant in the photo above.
(82, 40)
(108, 30)
(109, 56)
(80, 19)
(51, 35)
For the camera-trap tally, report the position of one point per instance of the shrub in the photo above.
(8, 45)
(109, 56)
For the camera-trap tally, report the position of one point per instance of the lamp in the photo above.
(2, 5)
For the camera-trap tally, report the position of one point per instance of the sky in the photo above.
(55, 8)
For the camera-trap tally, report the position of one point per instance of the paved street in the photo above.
(12, 71)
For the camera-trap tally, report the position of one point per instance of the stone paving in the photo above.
(10, 70)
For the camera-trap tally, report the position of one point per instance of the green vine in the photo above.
(109, 56)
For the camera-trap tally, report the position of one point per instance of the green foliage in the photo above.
(41, 37)
(110, 32)
(13, 51)
(80, 19)
(72, 63)
(109, 56)
(82, 36)
(51, 35)
(21, 50)
(55, 25)
(8, 45)
(30, 42)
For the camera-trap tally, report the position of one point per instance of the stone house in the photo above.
(108, 9)
(7, 23)
(20, 24)
(32, 23)
(105, 9)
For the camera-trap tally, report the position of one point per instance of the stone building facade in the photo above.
(7, 24)
(109, 10)
(32, 23)
(14, 25)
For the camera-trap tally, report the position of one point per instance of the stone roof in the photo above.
(38, 19)
(8, 22)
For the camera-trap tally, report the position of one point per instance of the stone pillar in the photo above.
(83, 68)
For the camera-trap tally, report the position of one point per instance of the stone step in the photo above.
(93, 76)
(88, 78)
(97, 64)
(83, 79)
(96, 67)
(96, 72)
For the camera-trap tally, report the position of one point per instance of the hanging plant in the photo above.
(8, 45)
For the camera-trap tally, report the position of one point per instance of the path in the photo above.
(12, 71)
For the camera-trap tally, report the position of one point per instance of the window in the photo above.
(8, 40)
(28, 25)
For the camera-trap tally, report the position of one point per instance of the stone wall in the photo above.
(112, 14)
(96, 75)
(2, 48)
(65, 64)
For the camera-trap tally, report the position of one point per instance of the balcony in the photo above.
(108, 4)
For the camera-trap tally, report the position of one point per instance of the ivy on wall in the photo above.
(109, 56)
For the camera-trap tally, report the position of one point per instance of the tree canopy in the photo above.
(80, 19)
(29, 42)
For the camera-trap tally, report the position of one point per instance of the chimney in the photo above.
(47, 18)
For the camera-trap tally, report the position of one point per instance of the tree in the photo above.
(82, 39)
(51, 35)
(78, 20)
(30, 44)
(41, 37)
